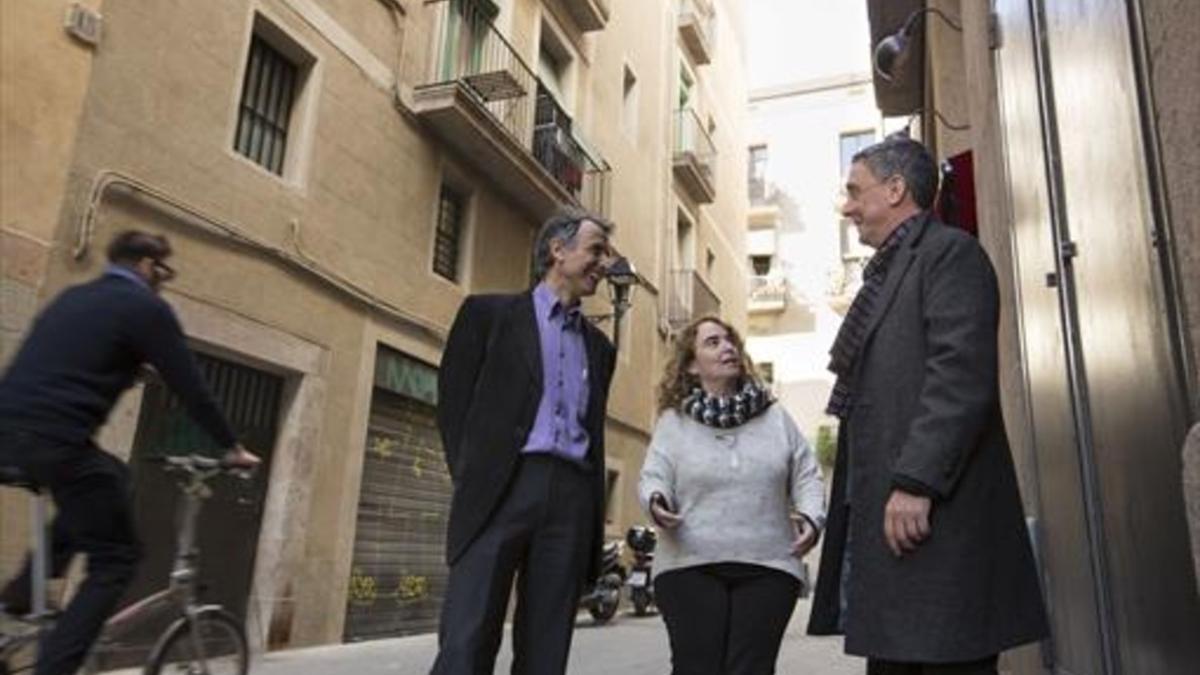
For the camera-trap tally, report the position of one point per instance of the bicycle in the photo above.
(202, 640)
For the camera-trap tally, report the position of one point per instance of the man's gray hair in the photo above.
(904, 157)
(564, 226)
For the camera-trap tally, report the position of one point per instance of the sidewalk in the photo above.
(629, 645)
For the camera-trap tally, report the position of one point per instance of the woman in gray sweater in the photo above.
(738, 494)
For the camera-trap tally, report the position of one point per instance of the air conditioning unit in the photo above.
(83, 24)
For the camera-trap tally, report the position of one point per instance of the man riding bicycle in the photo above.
(83, 350)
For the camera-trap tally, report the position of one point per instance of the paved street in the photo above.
(628, 646)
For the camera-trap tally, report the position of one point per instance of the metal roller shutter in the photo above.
(398, 575)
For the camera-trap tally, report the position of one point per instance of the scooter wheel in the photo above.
(605, 606)
(641, 603)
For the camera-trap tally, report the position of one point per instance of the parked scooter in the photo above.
(642, 539)
(603, 598)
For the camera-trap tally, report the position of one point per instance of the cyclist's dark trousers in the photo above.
(91, 491)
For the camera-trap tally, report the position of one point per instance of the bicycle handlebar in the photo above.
(200, 465)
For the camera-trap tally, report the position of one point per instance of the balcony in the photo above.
(764, 212)
(762, 242)
(589, 15)
(768, 294)
(695, 157)
(484, 102)
(690, 297)
(697, 28)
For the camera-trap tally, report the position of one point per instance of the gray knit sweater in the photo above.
(735, 489)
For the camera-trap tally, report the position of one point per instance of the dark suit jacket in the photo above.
(489, 387)
(927, 412)
(87, 347)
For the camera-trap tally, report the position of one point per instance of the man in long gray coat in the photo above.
(926, 566)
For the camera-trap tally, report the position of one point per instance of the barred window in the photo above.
(268, 92)
(448, 236)
(850, 143)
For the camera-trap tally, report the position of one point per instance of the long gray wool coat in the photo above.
(927, 408)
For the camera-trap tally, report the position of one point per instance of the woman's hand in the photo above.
(662, 514)
(805, 536)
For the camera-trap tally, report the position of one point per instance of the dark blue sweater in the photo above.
(86, 348)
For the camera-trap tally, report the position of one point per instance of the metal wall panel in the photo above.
(1137, 417)
(1064, 544)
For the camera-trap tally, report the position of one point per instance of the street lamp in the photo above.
(622, 279)
(892, 51)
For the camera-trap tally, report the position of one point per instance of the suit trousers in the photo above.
(541, 533)
(91, 491)
(725, 618)
(982, 667)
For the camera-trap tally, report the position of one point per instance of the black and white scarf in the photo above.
(724, 412)
(849, 342)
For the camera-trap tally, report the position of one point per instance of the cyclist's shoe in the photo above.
(16, 634)
(12, 628)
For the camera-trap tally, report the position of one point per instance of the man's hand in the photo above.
(662, 514)
(906, 521)
(805, 536)
(239, 457)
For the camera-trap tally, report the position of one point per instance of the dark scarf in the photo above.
(724, 412)
(848, 345)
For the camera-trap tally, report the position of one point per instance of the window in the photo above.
(761, 265)
(758, 173)
(550, 70)
(448, 235)
(766, 370)
(629, 108)
(852, 143)
(685, 246)
(267, 95)
(554, 65)
(469, 23)
(687, 83)
(612, 478)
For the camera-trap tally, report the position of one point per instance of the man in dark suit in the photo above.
(927, 566)
(83, 350)
(522, 394)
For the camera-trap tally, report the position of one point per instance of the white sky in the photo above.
(794, 40)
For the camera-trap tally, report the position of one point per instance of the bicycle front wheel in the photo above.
(215, 638)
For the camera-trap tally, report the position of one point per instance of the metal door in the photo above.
(1069, 569)
(398, 576)
(229, 524)
(1106, 390)
(1133, 387)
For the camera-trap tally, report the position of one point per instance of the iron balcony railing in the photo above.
(762, 193)
(693, 139)
(564, 155)
(471, 51)
(768, 290)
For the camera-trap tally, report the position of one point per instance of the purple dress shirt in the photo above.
(559, 426)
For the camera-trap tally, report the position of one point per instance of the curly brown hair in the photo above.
(677, 383)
